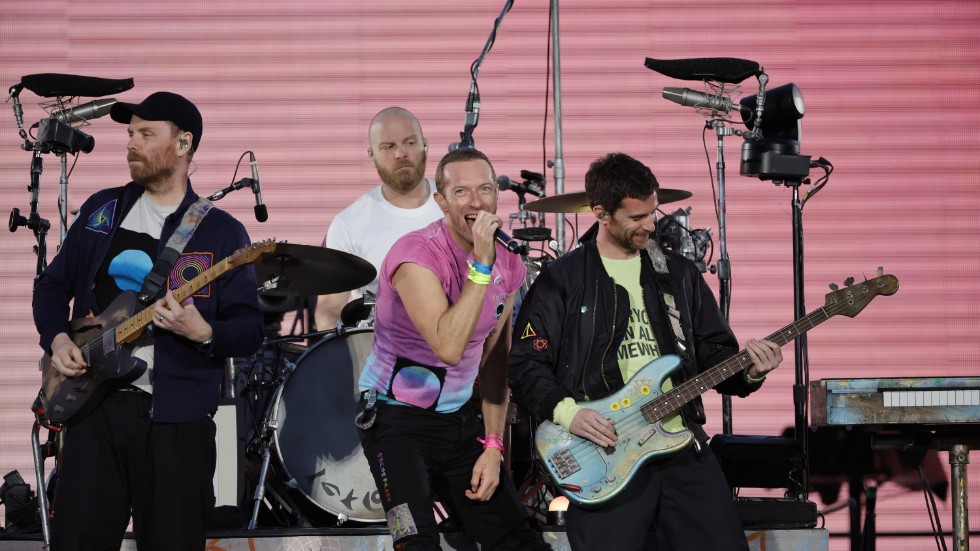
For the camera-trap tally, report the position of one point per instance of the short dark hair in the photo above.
(459, 156)
(615, 177)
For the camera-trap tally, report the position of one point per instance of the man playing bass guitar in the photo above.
(593, 319)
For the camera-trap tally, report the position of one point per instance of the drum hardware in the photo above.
(533, 233)
(674, 232)
(359, 312)
(309, 424)
(304, 270)
(578, 202)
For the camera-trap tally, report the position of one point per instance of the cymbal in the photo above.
(578, 202)
(304, 270)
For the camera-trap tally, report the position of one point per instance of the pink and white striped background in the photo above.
(892, 94)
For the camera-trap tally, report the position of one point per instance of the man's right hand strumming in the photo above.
(66, 357)
(589, 424)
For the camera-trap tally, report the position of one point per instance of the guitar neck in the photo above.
(132, 327)
(691, 389)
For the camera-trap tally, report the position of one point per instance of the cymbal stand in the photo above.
(270, 426)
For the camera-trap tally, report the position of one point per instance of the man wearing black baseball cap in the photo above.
(147, 449)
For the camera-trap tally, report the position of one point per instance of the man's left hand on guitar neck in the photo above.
(183, 319)
(766, 356)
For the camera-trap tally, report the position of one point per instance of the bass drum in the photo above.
(316, 440)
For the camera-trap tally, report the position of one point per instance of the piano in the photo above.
(898, 401)
(939, 412)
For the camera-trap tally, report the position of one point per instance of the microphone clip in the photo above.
(243, 183)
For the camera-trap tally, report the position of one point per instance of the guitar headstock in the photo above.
(251, 253)
(850, 300)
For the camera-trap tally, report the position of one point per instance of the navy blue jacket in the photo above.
(186, 379)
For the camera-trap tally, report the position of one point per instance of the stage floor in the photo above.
(377, 539)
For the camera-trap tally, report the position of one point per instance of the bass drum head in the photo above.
(316, 439)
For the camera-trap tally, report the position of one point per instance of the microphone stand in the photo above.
(559, 162)
(723, 265)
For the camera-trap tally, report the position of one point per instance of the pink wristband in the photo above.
(489, 443)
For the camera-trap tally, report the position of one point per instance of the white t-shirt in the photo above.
(371, 225)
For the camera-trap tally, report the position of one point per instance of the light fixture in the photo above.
(556, 511)
(774, 152)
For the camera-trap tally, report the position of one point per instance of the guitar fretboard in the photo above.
(692, 388)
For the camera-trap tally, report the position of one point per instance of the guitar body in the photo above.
(110, 365)
(590, 475)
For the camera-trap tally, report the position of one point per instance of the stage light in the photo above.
(556, 511)
(774, 153)
(781, 114)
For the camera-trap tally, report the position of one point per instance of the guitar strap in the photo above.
(175, 245)
(666, 288)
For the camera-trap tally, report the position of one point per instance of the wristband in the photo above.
(478, 277)
(488, 443)
(750, 379)
(481, 267)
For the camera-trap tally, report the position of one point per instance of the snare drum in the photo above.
(315, 439)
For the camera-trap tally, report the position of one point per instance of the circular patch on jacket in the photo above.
(417, 386)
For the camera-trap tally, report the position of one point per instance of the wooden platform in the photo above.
(377, 539)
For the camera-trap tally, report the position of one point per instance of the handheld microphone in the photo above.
(261, 213)
(505, 183)
(500, 236)
(86, 111)
(700, 100)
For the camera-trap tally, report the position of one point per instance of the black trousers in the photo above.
(118, 463)
(417, 456)
(682, 502)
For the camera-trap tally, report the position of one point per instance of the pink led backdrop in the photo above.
(891, 90)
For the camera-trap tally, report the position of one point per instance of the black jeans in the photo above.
(117, 462)
(684, 499)
(417, 456)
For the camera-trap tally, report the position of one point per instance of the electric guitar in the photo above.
(590, 475)
(107, 342)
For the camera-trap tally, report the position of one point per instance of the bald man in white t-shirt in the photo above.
(401, 204)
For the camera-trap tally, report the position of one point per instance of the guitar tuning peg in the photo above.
(881, 271)
(834, 287)
(849, 281)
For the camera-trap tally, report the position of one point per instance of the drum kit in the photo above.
(302, 445)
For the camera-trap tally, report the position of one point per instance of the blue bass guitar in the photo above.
(590, 475)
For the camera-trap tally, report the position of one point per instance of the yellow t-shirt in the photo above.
(639, 346)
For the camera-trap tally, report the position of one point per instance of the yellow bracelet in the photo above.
(478, 278)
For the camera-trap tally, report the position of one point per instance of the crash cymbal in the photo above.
(578, 202)
(304, 270)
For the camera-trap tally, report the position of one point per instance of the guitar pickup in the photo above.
(564, 463)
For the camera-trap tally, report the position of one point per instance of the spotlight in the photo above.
(556, 511)
(774, 154)
(781, 113)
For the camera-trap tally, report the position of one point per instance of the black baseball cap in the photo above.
(163, 106)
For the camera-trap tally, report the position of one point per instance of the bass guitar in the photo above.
(590, 475)
(107, 342)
